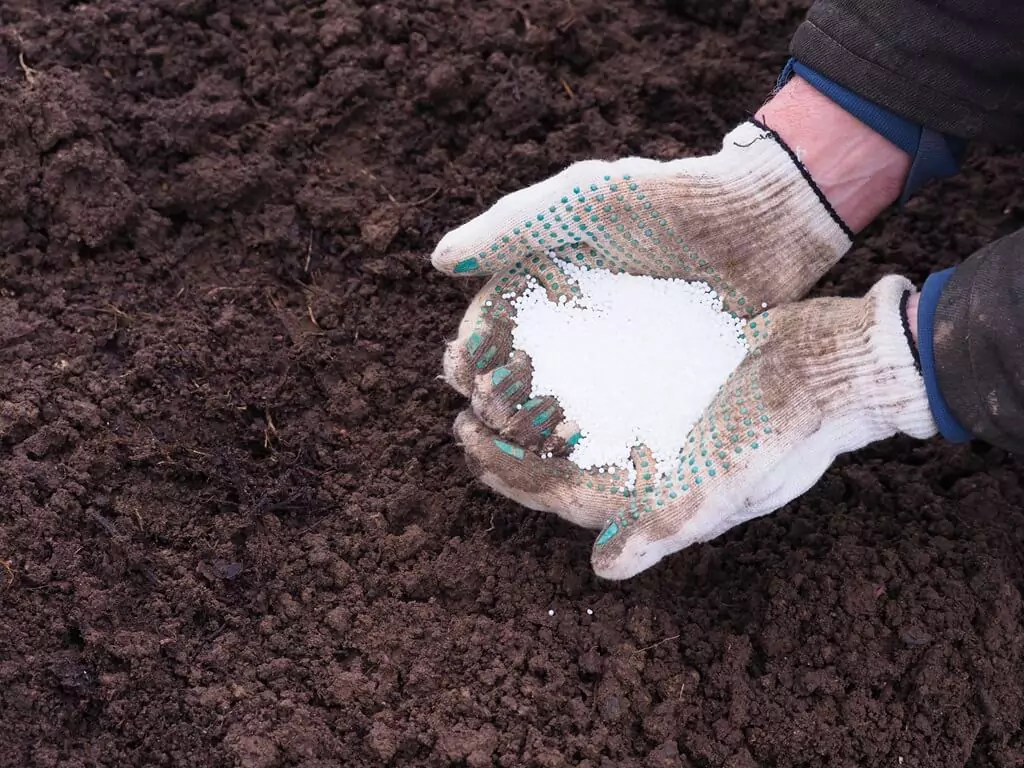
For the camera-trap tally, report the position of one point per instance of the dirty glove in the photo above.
(823, 377)
(747, 220)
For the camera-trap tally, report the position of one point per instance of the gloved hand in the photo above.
(747, 220)
(823, 377)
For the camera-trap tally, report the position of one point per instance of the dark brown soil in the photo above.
(234, 527)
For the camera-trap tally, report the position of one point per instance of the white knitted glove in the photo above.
(823, 377)
(747, 220)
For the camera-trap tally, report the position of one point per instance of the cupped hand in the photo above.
(746, 220)
(823, 377)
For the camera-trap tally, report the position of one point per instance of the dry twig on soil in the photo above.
(655, 645)
(9, 576)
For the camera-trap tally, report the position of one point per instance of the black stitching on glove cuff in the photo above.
(906, 330)
(807, 177)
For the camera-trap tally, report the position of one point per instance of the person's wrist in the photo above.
(923, 315)
(858, 170)
(910, 318)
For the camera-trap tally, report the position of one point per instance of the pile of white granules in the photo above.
(632, 360)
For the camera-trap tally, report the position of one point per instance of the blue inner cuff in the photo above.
(949, 427)
(934, 155)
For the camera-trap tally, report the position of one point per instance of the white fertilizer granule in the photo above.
(631, 359)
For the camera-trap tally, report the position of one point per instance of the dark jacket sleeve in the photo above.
(955, 66)
(978, 343)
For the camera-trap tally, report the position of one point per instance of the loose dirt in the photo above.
(235, 530)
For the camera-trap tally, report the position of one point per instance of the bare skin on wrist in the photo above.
(912, 315)
(859, 171)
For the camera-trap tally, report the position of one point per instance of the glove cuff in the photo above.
(890, 378)
(775, 207)
(773, 158)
